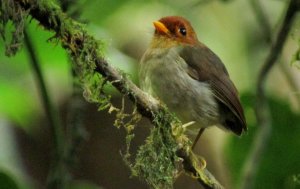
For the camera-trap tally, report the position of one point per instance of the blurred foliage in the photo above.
(7, 182)
(19, 99)
(280, 164)
(11, 181)
(80, 184)
(296, 57)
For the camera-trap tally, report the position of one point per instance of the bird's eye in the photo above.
(182, 30)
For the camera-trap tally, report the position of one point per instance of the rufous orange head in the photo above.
(175, 28)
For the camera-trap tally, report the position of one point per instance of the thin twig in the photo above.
(57, 172)
(267, 30)
(262, 108)
(147, 105)
(262, 19)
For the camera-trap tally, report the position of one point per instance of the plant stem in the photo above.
(57, 171)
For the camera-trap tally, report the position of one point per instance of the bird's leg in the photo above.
(197, 137)
(201, 159)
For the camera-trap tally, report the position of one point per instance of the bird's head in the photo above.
(173, 30)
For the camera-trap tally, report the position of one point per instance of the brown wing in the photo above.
(205, 66)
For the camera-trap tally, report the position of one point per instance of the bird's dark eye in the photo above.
(182, 30)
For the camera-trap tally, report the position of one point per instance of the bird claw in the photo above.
(202, 162)
(199, 164)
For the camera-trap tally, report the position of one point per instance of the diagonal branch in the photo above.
(262, 108)
(74, 38)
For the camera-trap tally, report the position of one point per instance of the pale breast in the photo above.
(163, 75)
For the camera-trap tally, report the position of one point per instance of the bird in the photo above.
(190, 79)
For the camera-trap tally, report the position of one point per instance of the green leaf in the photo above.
(7, 182)
(280, 165)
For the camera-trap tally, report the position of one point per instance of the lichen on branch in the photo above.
(157, 161)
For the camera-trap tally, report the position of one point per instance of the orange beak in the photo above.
(160, 27)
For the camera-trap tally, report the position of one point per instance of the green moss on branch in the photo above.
(11, 13)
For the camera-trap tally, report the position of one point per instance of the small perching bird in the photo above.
(189, 78)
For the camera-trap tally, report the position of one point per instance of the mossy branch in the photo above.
(89, 64)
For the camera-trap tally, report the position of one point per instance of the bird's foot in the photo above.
(202, 162)
(198, 163)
